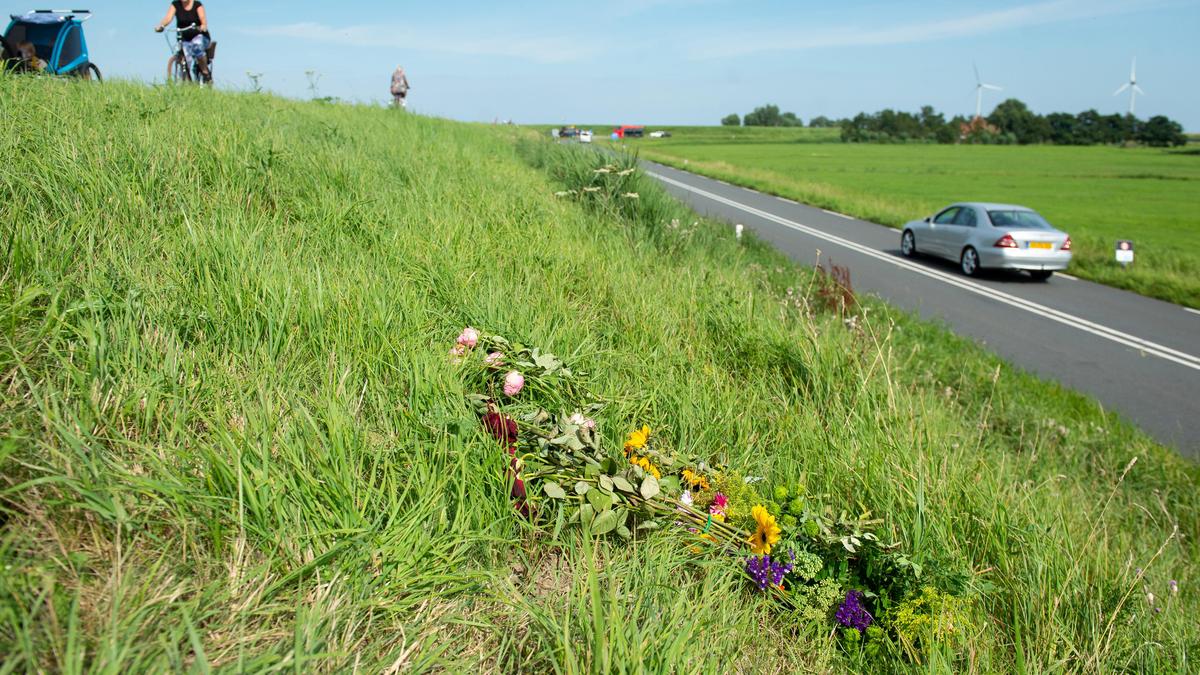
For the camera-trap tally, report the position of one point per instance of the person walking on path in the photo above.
(190, 15)
(399, 88)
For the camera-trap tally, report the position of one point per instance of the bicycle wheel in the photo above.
(89, 71)
(200, 77)
(177, 70)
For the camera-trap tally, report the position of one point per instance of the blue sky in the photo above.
(687, 61)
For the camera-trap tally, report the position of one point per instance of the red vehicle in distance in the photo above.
(630, 131)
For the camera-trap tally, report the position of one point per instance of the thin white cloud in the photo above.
(738, 43)
(627, 8)
(551, 49)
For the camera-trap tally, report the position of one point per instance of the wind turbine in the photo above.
(1131, 85)
(979, 87)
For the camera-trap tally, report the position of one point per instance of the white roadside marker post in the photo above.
(1124, 252)
(737, 229)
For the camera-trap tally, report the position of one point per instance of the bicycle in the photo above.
(177, 69)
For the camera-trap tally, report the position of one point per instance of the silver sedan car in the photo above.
(990, 236)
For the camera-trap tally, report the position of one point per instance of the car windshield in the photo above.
(1026, 220)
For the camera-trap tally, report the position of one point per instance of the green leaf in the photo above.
(670, 485)
(553, 490)
(605, 522)
(581, 488)
(621, 484)
(648, 525)
(546, 361)
(624, 532)
(649, 487)
(599, 500)
(586, 514)
(606, 482)
(591, 470)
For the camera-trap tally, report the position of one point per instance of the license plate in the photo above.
(1041, 244)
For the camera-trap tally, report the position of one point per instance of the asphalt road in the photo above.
(1138, 356)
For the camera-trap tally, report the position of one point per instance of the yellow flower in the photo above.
(767, 533)
(646, 465)
(694, 480)
(637, 439)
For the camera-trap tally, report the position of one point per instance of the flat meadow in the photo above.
(241, 426)
(1096, 194)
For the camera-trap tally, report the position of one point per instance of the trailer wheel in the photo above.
(88, 71)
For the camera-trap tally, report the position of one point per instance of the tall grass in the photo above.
(231, 437)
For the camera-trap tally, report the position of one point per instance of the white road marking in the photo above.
(1067, 276)
(1145, 346)
(1193, 311)
(839, 215)
(785, 200)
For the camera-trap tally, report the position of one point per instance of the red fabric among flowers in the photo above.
(504, 429)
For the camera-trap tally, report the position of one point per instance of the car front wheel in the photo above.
(969, 262)
(1041, 275)
(908, 244)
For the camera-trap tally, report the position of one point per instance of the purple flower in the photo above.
(1174, 585)
(852, 614)
(765, 572)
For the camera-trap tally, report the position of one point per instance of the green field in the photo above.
(1097, 194)
(232, 437)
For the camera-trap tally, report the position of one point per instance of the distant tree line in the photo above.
(771, 115)
(1011, 122)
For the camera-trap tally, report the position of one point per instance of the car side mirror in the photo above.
(929, 219)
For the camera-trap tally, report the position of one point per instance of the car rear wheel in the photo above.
(1041, 275)
(908, 244)
(969, 262)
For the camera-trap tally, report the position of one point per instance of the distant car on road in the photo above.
(585, 136)
(660, 134)
(629, 131)
(990, 236)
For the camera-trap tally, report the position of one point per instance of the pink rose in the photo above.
(579, 420)
(493, 360)
(468, 338)
(513, 382)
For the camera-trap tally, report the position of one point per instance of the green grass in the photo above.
(230, 436)
(1097, 194)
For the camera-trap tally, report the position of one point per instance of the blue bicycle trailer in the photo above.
(56, 36)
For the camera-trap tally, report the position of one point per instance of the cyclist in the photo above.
(190, 14)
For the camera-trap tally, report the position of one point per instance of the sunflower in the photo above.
(767, 533)
(694, 480)
(637, 439)
(646, 465)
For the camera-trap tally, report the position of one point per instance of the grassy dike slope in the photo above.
(230, 434)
